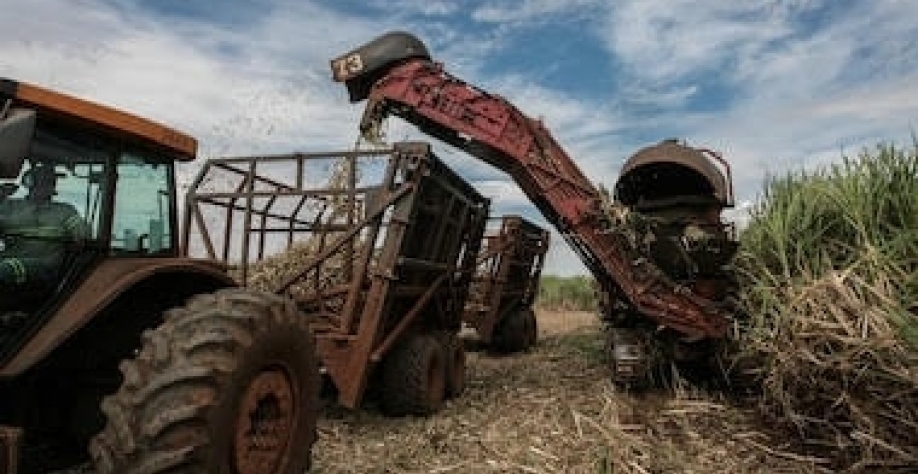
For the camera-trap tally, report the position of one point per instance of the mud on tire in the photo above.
(227, 384)
(455, 366)
(414, 377)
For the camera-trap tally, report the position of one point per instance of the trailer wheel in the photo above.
(414, 377)
(227, 384)
(456, 371)
(514, 333)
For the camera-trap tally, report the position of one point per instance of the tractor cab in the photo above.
(79, 183)
(91, 266)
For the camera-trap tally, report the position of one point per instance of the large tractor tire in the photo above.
(456, 371)
(228, 384)
(516, 332)
(414, 377)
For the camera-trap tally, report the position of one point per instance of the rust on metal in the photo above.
(266, 421)
(386, 239)
(507, 277)
(488, 127)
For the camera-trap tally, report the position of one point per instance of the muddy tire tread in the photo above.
(160, 419)
(406, 388)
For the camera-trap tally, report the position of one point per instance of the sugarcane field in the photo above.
(829, 355)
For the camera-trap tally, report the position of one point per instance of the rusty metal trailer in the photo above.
(506, 284)
(377, 247)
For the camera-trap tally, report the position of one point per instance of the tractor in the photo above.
(118, 350)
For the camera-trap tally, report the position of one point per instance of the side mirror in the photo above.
(16, 130)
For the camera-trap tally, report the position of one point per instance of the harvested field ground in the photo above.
(553, 410)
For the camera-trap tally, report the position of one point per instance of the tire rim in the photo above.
(267, 419)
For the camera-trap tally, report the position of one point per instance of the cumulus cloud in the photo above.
(530, 10)
(773, 84)
(665, 40)
(266, 85)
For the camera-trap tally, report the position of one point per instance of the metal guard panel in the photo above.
(433, 240)
(439, 169)
(670, 152)
(360, 68)
(109, 280)
(377, 54)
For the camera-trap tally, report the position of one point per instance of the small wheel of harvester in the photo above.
(414, 376)
(456, 371)
(228, 384)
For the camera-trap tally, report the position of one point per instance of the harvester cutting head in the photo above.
(677, 194)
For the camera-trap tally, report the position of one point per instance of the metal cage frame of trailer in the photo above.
(507, 277)
(388, 241)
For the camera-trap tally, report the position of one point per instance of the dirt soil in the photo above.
(553, 410)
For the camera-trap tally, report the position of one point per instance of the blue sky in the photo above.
(773, 85)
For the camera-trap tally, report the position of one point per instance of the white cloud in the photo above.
(272, 92)
(798, 92)
(661, 40)
(507, 193)
(420, 7)
(529, 10)
(561, 260)
(793, 92)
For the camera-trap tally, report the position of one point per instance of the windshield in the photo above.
(141, 222)
(48, 214)
(64, 169)
(79, 195)
(69, 173)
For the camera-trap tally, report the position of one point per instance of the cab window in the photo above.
(142, 222)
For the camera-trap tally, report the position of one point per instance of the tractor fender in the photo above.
(101, 288)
